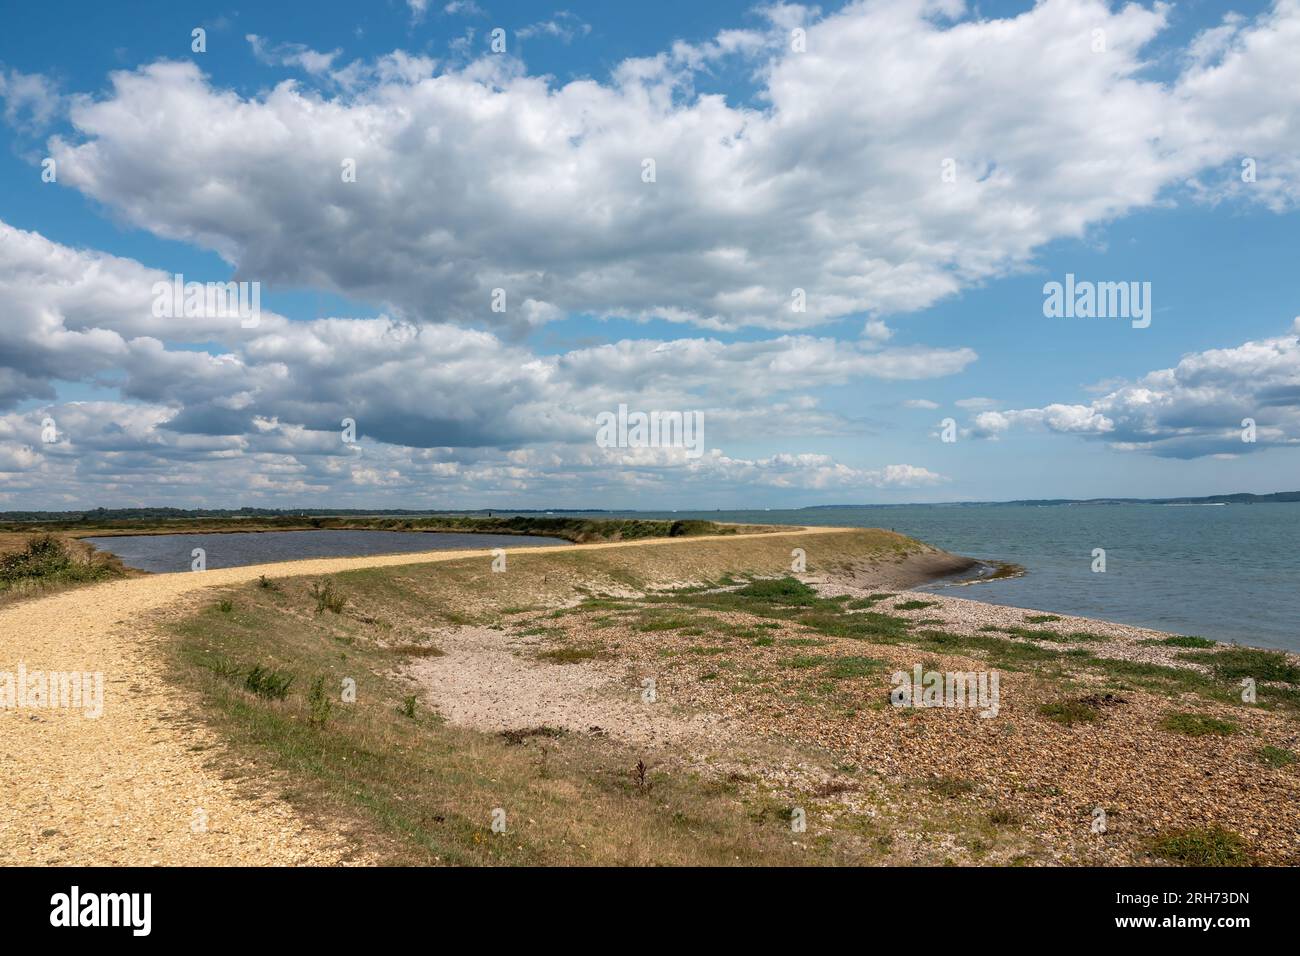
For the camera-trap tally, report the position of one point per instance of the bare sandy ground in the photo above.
(144, 783)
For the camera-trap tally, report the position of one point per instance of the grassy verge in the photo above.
(270, 662)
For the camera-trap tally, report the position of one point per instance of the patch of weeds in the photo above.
(328, 597)
(669, 623)
(868, 601)
(1238, 662)
(787, 591)
(949, 787)
(1078, 710)
(1275, 756)
(225, 606)
(765, 641)
(1002, 817)
(418, 650)
(318, 703)
(804, 661)
(524, 734)
(803, 642)
(1198, 725)
(266, 583)
(707, 651)
(1184, 640)
(844, 668)
(408, 706)
(1042, 618)
(1199, 846)
(271, 684)
(914, 605)
(1069, 712)
(573, 655)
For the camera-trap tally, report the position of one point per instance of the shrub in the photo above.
(270, 684)
(47, 558)
(319, 703)
(327, 597)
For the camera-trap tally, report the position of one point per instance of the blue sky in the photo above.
(777, 167)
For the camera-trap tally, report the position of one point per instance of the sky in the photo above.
(476, 229)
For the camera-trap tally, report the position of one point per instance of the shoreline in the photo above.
(774, 704)
(923, 576)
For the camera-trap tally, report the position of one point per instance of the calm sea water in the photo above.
(1229, 572)
(171, 552)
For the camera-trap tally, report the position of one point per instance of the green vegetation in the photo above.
(318, 703)
(847, 667)
(1186, 641)
(573, 655)
(270, 684)
(1198, 725)
(46, 560)
(1275, 756)
(328, 598)
(913, 605)
(170, 521)
(1202, 847)
(1234, 663)
(1042, 618)
(1070, 712)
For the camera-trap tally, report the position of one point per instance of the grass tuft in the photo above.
(1211, 846)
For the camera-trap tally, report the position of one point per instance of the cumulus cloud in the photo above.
(1197, 408)
(272, 398)
(484, 177)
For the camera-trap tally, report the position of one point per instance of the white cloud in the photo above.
(483, 177)
(485, 415)
(1194, 409)
(31, 100)
(292, 54)
(562, 26)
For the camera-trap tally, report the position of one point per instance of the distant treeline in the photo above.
(146, 514)
(166, 521)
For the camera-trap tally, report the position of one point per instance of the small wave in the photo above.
(980, 573)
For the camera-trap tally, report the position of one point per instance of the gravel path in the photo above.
(145, 783)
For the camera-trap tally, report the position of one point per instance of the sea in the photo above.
(1228, 572)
